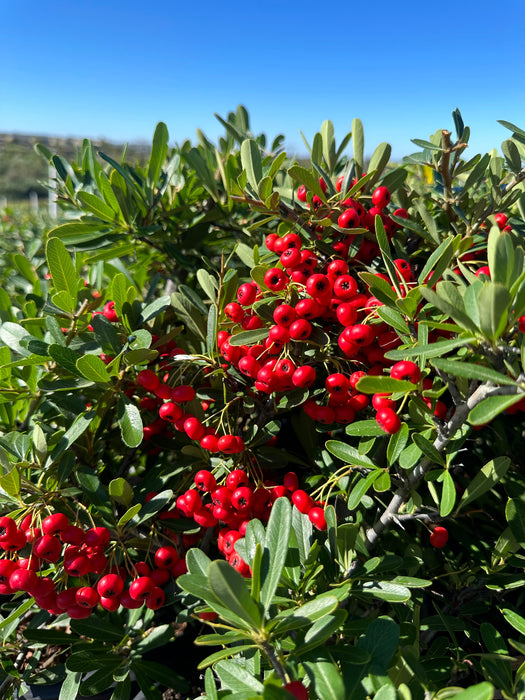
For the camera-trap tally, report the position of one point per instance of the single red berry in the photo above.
(236, 478)
(183, 393)
(109, 311)
(296, 688)
(86, 597)
(242, 499)
(247, 293)
(501, 219)
(7, 527)
(141, 587)
(148, 379)
(54, 524)
(234, 311)
(302, 501)
(406, 370)
(110, 586)
(284, 315)
(380, 197)
(304, 376)
(301, 193)
(317, 517)
(348, 219)
(388, 420)
(165, 557)
(439, 537)
(300, 329)
(97, 536)
(204, 480)
(275, 279)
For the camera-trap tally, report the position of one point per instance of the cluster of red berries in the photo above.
(230, 507)
(40, 560)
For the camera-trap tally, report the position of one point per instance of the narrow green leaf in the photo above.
(275, 549)
(448, 495)
(430, 350)
(248, 337)
(349, 454)
(130, 422)
(485, 479)
(358, 142)
(515, 514)
(77, 428)
(397, 444)
(159, 152)
(489, 408)
(494, 304)
(70, 686)
(251, 162)
(308, 179)
(480, 691)
(428, 449)
(61, 267)
(515, 620)
(237, 678)
(470, 370)
(384, 385)
(450, 310)
(232, 590)
(129, 514)
(326, 678)
(97, 206)
(304, 615)
(360, 489)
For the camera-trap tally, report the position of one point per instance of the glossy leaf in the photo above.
(490, 407)
(485, 479)
(232, 590)
(275, 549)
(130, 422)
(61, 267)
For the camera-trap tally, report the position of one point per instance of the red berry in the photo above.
(388, 420)
(110, 586)
(300, 329)
(304, 376)
(148, 379)
(439, 537)
(141, 587)
(380, 197)
(236, 478)
(204, 480)
(166, 556)
(109, 311)
(317, 517)
(406, 370)
(54, 524)
(275, 279)
(302, 501)
(296, 688)
(301, 193)
(247, 293)
(183, 393)
(7, 527)
(86, 597)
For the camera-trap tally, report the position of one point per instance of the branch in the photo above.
(402, 495)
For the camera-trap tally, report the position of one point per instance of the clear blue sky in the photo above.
(115, 68)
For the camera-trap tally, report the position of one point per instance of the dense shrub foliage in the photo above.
(275, 409)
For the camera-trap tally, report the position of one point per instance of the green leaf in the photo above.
(70, 686)
(97, 206)
(494, 302)
(208, 284)
(65, 357)
(428, 449)
(515, 514)
(130, 422)
(120, 491)
(397, 444)
(358, 141)
(158, 637)
(470, 370)
(304, 615)
(209, 685)
(237, 678)
(275, 549)
(364, 428)
(251, 162)
(360, 489)
(159, 151)
(379, 161)
(232, 590)
(449, 309)
(155, 308)
(485, 479)
(448, 495)
(430, 350)
(129, 514)
(349, 454)
(93, 368)
(10, 482)
(326, 679)
(480, 691)
(77, 428)
(380, 640)
(384, 385)
(308, 179)
(512, 155)
(514, 620)
(97, 628)
(490, 407)
(61, 267)
(383, 590)
(249, 337)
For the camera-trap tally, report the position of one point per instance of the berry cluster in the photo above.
(41, 561)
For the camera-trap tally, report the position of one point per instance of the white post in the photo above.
(33, 201)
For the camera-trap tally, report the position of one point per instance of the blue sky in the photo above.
(114, 69)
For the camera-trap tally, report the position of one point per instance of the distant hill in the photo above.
(23, 171)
